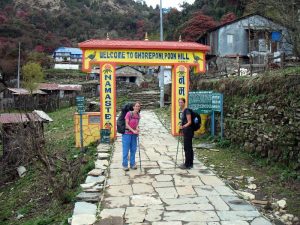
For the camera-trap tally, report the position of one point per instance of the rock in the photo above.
(252, 186)
(239, 177)
(246, 195)
(205, 145)
(281, 203)
(19, 216)
(278, 222)
(21, 171)
(270, 108)
(287, 217)
(259, 202)
(88, 185)
(212, 166)
(296, 219)
(250, 179)
(96, 172)
(88, 197)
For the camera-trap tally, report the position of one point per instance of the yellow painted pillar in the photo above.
(180, 89)
(108, 98)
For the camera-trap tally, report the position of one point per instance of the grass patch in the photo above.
(32, 197)
(273, 180)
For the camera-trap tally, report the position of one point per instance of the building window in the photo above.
(230, 40)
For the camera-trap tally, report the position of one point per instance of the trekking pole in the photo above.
(138, 140)
(182, 150)
(177, 152)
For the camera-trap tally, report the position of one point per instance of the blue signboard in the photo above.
(200, 101)
(217, 102)
(80, 104)
(80, 110)
(207, 102)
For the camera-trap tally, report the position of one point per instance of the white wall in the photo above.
(66, 66)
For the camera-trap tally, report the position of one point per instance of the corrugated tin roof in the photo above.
(7, 118)
(65, 87)
(43, 115)
(73, 51)
(69, 87)
(50, 87)
(238, 19)
(22, 91)
(153, 45)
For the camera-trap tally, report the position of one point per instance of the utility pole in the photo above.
(161, 76)
(18, 78)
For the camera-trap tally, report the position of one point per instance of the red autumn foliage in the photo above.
(39, 48)
(21, 14)
(197, 25)
(228, 18)
(140, 25)
(3, 18)
(65, 42)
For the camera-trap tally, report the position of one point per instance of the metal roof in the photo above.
(22, 91)
(73, 51)
(69, 87)
(7, 118)
(65, 87)
(153, 45)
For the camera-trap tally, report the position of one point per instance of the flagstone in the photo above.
(116, 202)
(144, 200)
(142, 189)
(123, 190)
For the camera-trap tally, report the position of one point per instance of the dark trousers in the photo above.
(188, 149)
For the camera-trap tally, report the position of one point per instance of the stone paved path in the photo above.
(159, 194)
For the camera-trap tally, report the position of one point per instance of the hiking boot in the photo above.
(125, 168)
(134, 167)
(182, 166)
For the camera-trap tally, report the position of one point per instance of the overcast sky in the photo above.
(168, 3)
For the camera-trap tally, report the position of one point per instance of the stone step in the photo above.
(88, 196)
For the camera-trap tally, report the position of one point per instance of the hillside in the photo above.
(43, 25)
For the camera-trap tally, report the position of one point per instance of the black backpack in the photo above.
(121, 125)
(196, 120)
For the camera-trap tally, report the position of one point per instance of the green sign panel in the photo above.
(80, 104)
(105, 136)
(201, 101)
(217, 102)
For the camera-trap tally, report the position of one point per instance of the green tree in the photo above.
(41, 58)
(32, 76)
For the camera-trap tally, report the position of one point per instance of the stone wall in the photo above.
(262, 114)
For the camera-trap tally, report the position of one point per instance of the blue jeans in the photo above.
(129, 142)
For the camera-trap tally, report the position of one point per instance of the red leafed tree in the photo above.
(197, 25)
(228, 18)
(21, 14)
(39, 48)
(3, 18)
(140, 26)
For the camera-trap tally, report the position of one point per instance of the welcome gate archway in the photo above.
(110, 53)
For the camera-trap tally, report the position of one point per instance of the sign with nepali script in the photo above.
(144, 57)
(180, 89)
(108, 98)
(201, 101)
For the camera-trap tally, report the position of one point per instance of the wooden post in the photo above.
(282, 59)
(238, 64)
(251, 62)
